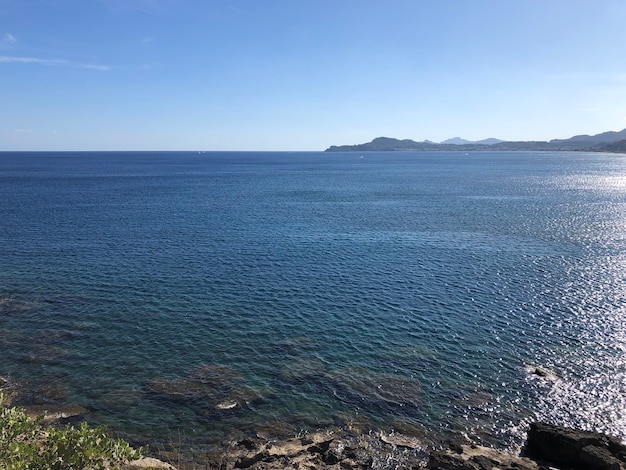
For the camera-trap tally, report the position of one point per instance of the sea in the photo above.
(197, 297)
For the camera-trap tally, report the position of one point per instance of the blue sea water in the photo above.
(193, 297)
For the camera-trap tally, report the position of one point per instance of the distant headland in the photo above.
(611, 141)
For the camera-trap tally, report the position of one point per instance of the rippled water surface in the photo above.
(185, 296)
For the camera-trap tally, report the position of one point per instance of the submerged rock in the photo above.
(9, 306)
(209, 381)
(9, 390)
(50, 390)
(58, 413)
(54, 390)
(302, 370)
(387, 392)
(296, 346)
(217, 386)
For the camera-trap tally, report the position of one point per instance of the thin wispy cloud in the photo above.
(7, 41)
(102, 68)
(5, 59)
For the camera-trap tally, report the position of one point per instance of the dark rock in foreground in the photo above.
(547, 447)
(571, 448)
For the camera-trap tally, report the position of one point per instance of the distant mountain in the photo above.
(617, 147)
(456, 141)
(605, 142)
(591, 140)
(489, 141)
(384, 144)
(388, 144)
(459, 141)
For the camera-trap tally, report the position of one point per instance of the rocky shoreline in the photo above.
(547, 447)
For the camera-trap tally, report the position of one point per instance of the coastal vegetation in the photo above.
(28, 443)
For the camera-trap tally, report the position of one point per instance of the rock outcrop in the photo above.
(148, 463)
(471, 457)
(547, 447)
(329, 449)
(571, 448)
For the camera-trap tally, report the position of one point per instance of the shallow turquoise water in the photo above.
(403, 291)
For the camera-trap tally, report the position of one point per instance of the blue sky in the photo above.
(305, 74)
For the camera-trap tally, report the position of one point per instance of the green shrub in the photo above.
(26, 444)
